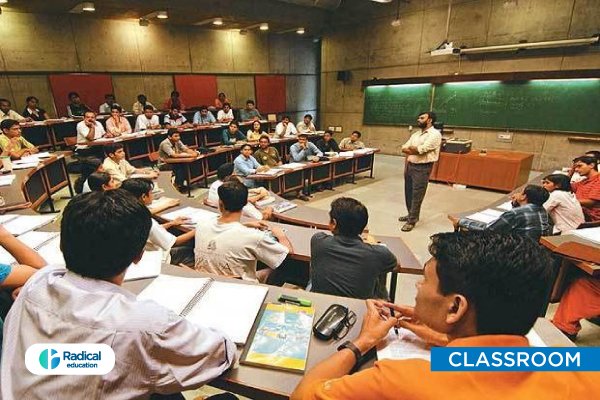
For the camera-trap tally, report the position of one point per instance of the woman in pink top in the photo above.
(116, 124)
(562, 205)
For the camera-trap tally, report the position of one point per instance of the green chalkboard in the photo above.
(396, 104)
(555, 105)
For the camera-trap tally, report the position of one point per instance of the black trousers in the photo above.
(416, 178)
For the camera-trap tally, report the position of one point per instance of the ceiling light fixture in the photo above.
(300, 31)
(264, 26)
(162, 15)
(218, 21)
(382, 1)
(78, 9)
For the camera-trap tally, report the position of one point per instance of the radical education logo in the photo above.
(49, 359)
(69, 359)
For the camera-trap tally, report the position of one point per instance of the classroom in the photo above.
(299, 199)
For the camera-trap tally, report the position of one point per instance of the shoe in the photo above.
(403, 218)
(303, 197)
(408, 227)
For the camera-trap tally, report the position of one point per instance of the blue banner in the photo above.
(515, 359)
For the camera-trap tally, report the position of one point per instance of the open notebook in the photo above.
(25, 223)
(227, 306)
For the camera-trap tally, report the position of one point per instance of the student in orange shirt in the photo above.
(479, 290)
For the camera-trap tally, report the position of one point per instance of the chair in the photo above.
(593, 224)
(70, 141)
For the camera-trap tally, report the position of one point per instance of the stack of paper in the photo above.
(283, 206)
(33, 240)
(194, 215)
(591, 234)
(25, 165)
(293, 165)
(486, 216)
(26, 223)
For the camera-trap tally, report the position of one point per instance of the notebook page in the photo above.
(403, 346)
(26, 223)
(230, 308)
(173, 292)
(148, 267)
(51, 252)
(591, 234)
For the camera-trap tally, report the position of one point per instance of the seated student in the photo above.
(256, 132)
(119, 168)
(306, 125)
(117, 124)
(180, 247)
(245, 164)
(174, 119)
(89, 129)
(327, 143)
(255, 194)
(562, 205)
(266, 154)
(231, 135)
(204, 117)
(156, 351)
(220, 101)
(343, 264)
(11, 137)
(109, 103)
(527, 218)
(33, 111)
(575, 177)
(138, 106)
(226, 247)
(147, 120)
(7, 113)
(250, 112)
(174, 102)
(100, 182)
(479, 290)
(587, 191)
(82, 185)
(304, 150)
(173, 147)
(352, 142)
(76, 108)
(285, 127)
(581, 300)
(226, 114)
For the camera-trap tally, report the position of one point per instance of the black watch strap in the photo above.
(350, 346)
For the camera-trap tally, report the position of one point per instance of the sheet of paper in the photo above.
(25, 165)
(230, 307)
(270, 172)
(481, 217)
(493, 213)
(26, 223)
(7, 180)
(284, 206)
(44, 154)
(264, 202)
(7, 217)
(195, 215)
(51, 252)
(31, 239)
(293, 165)
(173, 292)
(346, 154)
(591, 234)
(405, 345)
(148, 267)
(505, 206)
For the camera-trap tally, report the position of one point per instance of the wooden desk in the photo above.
(497, 170)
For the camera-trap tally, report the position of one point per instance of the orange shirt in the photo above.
(412, 379)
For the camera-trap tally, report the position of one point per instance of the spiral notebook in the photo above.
(227, 306)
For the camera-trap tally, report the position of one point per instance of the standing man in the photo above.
(422, 150)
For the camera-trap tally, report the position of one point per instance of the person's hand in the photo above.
(179, 221)
(262, 168)
(15, 292)
(454, 221)
(109, 135)
(89, 124)
(267, 212)
(153, 174)
(262, 225)
(368, 238)
(375, 326)
(277, 231)
(28, 119)
(413, 150)
(407, 320)
(315, 159)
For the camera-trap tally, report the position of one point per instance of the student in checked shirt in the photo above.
(478, 290)
(156, 351)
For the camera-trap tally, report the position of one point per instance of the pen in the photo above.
(392, 314)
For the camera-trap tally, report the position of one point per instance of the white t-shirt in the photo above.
(280, 130)
(565, 210)
(161, 237)
(233, 249)
(249, 209)
(221, 115)
(83, 131)
(143, 123)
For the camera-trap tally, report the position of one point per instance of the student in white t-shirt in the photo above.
(226, 247)
(180, 247)
(562, 205)
(254, 195)
(147, 120)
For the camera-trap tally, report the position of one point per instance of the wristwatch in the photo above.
(350, 346)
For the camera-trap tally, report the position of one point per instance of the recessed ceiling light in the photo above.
(264, 26)
(218, 21)
(300, 31)
(88, 6)
(162, 15)
(382, 1)
(3, 1)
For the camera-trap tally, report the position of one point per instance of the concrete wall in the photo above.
(373, 48)
(142, 59)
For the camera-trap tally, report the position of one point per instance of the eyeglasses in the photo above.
(348, 323)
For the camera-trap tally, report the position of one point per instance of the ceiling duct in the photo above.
(324, 4)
